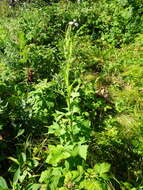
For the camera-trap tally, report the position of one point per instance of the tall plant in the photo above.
(67, 159)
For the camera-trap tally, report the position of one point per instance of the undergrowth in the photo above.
(71, 94)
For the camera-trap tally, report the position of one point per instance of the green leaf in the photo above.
(76, 128)
(43, 187)
(22, 177)
(34, 187)
(75, 151)
(102, 168)
(44, 176)
(83, 151)
(75, 109)
(23, 156)
(91, 185)
(20, 132)
(14, 160)
(3, 184)
(16, 176)
(63, 188)
(80, 172)
(22, 41)
(55, 181)
(56, 129)
(56, 154)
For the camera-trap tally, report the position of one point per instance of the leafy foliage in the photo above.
(71, 95)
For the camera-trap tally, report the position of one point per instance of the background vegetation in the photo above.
(71, 95)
